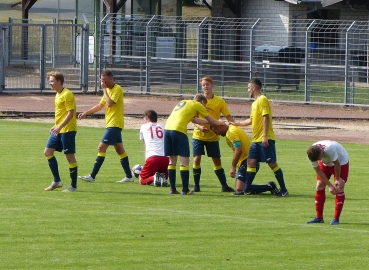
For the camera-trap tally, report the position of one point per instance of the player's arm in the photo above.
(266, 122)
(199, 121)
(236, 157)
(94, 109)
(109, 101)
(229, 118)
(213, 121)
(246, 122)
(56, 129)
(337, 170)
(324, 179)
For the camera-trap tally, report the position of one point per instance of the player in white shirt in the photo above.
(329, 158)
(155, 169)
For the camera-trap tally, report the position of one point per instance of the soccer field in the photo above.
(106, 225)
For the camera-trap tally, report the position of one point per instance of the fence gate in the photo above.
(28, 51)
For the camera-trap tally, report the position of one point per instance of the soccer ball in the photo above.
(136, 170)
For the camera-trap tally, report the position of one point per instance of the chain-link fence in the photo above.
(308, 61)
(298, 60)
(29, 50)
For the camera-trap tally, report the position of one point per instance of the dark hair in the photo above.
(200, 98)
(107, 73)
(314, 152)
(256, 82)
(151, 115)
(57, 75)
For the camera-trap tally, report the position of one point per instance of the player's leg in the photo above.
(171, 150)
(270, 156)
(148, 171)
(124, 161)
(320, 195)
(340, 195)
(213, 151)
(52, 144)
(185, 173)
(198, 150)
(69, 146)
(252, 162)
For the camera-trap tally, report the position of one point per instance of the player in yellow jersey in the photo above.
(63, 133)
(239, 142)
(176, 140)
(263, 138)
(203, 137)
(114, 121)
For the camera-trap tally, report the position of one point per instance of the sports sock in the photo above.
(339, 201)
(73, 168)
(124, 161)
(196, 170)
(185, 176)
(319, 203)
(279, 176)
(219, 171)
(250, 176)
(257, 189)
(98, 163)
(172, 176)
(53, 164)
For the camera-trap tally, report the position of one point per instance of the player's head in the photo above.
(150, 115)
(107, 78)
(201, 98)
(254, 85)
(56, 79)
(219, 130)
(314, 153)
(207, 84)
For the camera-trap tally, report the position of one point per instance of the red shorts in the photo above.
(155, 164)
(329, 171)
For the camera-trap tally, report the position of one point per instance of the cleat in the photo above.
(70, 189)
(173, 191)
(196, 189)
(163, 180)
(54, 185)
(126, 179)
(239, 193)
(227, 189)
(87, 178)
(274, 188)
(190, 192)
(335, 221)
(315, 220)
(157, 179)
(282, 193)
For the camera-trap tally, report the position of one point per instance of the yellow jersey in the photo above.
(236, 135)
(215, 107)
(183, 113)
(114, 115)
(259, 108)
(64, 102)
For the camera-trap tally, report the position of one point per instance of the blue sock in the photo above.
(53, 164)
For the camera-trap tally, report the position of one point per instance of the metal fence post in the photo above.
(148, 53)
(42, 57)
(307, 47)
(347, 52)
(84, 60)
(199, 52)
(251, 52)
(2, 58)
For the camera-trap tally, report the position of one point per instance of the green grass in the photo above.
(127, 226)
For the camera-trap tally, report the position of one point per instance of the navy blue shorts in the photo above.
(65, 142)
(263, 154)
(176, 144)
(112, 136)
(212, 148)
(241, 172)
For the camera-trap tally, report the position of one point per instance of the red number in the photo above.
(158, 132)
